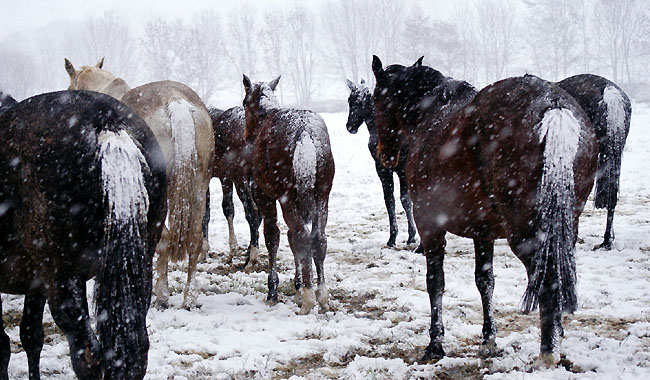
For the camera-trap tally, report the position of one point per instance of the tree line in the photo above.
(316, 45)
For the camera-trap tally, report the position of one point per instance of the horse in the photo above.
(361, 110)
(82, 194)
(182, 125)
(6, 102)
(609, 110)
(516, 160)
(293, 164)
(232, 156)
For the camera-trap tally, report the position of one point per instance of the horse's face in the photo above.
(259, 100)
(359, 103)
(91, 78)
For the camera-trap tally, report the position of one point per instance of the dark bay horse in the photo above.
(183, 128)
(515, 160)
(82, 194)
(609, 110)
(362, 110)
(293, 164)
(232, 162)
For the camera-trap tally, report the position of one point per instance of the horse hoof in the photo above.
(308, 301)
(419, 249)
(322, 296)
(489, 349)
(271, 301)
(391, 243)
(605, 246)
(161, 305)
(433, 352)
(544, 360)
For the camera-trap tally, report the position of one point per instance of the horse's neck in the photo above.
(370, 119)
(117, 88)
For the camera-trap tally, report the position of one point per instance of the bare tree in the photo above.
(275, 47)
(302, 55)
(243, 31)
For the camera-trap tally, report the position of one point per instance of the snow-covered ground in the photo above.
(377, 328)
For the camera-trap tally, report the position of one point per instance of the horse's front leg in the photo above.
(31, 332)
(228, 207)
(67, 300)
(484, 279)
(272, 240)
(386, 179)
(608, 239)
(254, 219)
(433, 240)
(161, 289)
(407, 205)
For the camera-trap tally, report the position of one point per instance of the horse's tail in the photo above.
(305, 166)
(616, 108)
(553, 262)
(122, 294)
(184, 186)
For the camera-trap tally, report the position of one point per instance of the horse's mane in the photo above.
(6, 102)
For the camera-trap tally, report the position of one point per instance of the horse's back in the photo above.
(231, 156)
(508, 126)
(51, 183)
(295, 152)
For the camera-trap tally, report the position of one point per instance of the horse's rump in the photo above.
(232, 159)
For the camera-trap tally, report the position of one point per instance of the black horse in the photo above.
(6, 102)
(609, 110)
(82, 194)
(232, 156)
(362, 110)
(516, 160)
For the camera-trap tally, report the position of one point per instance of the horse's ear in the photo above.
(274, 83)
(247, 83)
(350, 84)
(69, 68)
(376, 66)
(100, 63)
(418, 63)
(363, 81)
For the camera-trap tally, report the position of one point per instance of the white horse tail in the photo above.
(553, 264)
(616, 109)
(122, 295)
(183, 189)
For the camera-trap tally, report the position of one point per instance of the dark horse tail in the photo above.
(121, 293)
(553, 270)
(615, 108)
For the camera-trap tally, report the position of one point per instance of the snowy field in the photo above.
(377, 328)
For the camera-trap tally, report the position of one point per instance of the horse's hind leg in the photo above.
(407, 204)
(5, 349)
(484, 278)
(301, 246)
(254, 219)
(206, 223)
(386, 178)
(319, 250)
(67, 300)
(31, 332)
(228, 207)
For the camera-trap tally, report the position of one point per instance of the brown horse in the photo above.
(183, 128)
(82, 194)
(515, 160)
(232, 162)
(609, 110)
(293, 164)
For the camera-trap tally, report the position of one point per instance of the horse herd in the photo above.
(97, 179)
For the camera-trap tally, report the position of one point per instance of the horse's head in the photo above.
(259, 100)
(6, 102)
(402, 95)
(360, 105)
(93, 78)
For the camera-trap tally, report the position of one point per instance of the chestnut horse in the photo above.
(183, 128)
(82, 194)
(232, 161)
(515, 160)
(362, 110)
(609, 110)
(293, 164)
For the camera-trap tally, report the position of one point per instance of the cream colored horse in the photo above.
(182, 125)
